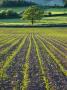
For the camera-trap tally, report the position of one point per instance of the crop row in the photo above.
(32, 63)
(59, 54)
(10, 58)
(54, 73)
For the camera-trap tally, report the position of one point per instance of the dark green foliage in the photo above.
(49, 13)
(65, 1)
(2, 13)
(33, 13)
(9, 14)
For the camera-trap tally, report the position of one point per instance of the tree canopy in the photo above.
(8, 14)
(33, 13)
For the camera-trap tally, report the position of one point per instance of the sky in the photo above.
(49, 2)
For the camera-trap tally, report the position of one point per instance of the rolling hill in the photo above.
(15, 3)
(49, 2)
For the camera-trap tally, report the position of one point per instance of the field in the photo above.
(45, 20)
(33, 58)
(20, 9)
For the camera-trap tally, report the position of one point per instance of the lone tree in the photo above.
(33, 13)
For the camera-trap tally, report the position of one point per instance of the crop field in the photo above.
(33, 58)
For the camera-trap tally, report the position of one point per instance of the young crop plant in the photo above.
(10, 59)
(54, 58)
(45, 79)
(26, 80)
(8, 48)
(8, 41)
(62, 53)
(3, 38)
(59, 43)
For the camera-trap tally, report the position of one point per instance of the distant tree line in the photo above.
(15, 3)
(9, 14)
(65, 1)
(19, 3)
(28, 13)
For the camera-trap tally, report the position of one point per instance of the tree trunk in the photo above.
(32, 21)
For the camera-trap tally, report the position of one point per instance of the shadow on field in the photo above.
(34, 26)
